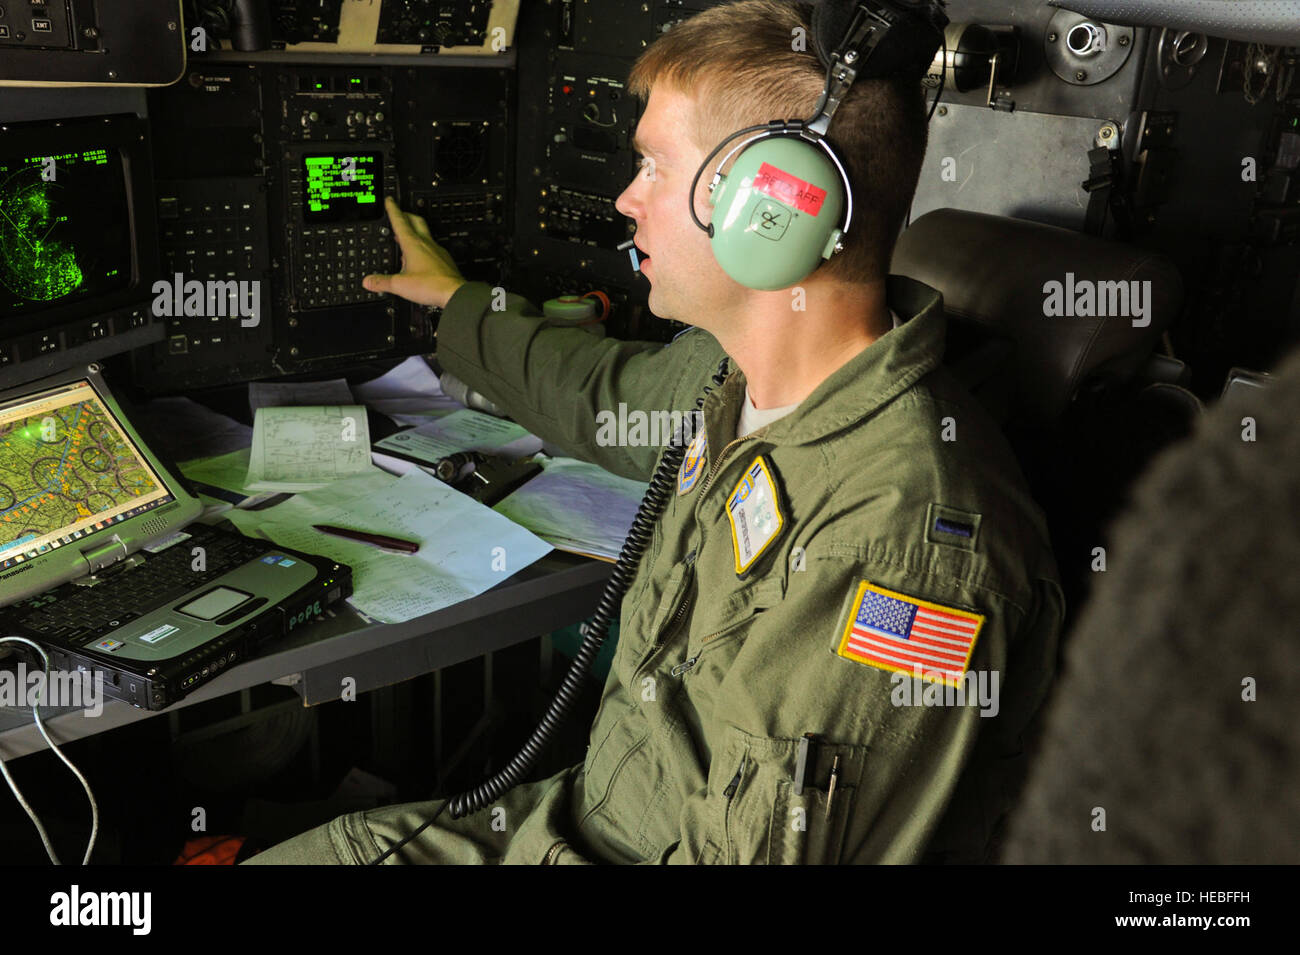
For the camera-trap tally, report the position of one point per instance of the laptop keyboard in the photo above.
(84, 613)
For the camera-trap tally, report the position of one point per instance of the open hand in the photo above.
(428, 276)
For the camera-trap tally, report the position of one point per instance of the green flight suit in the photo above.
(888, 473)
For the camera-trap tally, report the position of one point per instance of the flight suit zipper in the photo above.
(684, 666)
(717, 464)
(687, 599)
(732, 786)
(552, 852)
(729, 793)
(684, 604)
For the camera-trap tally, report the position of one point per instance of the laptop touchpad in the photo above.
(214, 603)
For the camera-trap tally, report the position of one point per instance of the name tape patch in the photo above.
(754, 510)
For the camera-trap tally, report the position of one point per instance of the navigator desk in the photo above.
(558, 590)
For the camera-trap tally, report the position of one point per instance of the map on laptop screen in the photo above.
(67, 469)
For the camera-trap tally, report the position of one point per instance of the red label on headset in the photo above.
(783, 187)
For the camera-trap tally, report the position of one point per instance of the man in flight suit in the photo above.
(847, 544)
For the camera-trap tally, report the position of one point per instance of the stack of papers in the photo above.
(271, 394)
(409, 393)
(323, 454)
(300, 449)
(576, 506)
(463, 430)
(465, 548)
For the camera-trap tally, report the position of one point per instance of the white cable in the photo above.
(36, 712)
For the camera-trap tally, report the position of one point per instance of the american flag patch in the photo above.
(892, 631)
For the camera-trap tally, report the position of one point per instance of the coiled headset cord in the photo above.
(594, 632)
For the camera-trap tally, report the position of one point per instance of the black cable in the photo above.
(774, 126)
(943, 75)
(594, 632)
(397, 845)
(213, 16)
(826, 93)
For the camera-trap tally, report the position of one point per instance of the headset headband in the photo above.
(854, 39)
(868, 39)
(915, 29)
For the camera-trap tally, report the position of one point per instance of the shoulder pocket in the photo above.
(646, 614)
(721, 617)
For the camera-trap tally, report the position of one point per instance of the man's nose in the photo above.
(627, 203)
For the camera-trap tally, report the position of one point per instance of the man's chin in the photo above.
(659, 308)
(662, 308)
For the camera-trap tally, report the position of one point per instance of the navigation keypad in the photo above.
(332, 261)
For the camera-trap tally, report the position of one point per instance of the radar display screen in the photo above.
(67, 469)
(344, 188)
(65, 231)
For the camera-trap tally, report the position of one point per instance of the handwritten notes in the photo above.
(300, 449)
(464, 430)
(465, 548)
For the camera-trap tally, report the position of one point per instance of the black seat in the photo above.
(1071, 392)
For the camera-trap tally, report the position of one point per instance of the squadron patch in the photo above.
(754, 509)
(693, 463)
(892, 631)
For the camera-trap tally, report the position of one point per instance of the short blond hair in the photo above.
(738, 62)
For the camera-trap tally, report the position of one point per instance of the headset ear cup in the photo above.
(775, 213)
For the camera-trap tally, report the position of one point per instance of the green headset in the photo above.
(786, 205)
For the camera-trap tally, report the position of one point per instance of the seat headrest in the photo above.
(995, 271)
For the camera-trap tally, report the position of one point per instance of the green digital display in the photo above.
(343, 188)
(65, 232)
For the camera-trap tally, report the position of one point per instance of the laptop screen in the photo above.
(67, 470)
